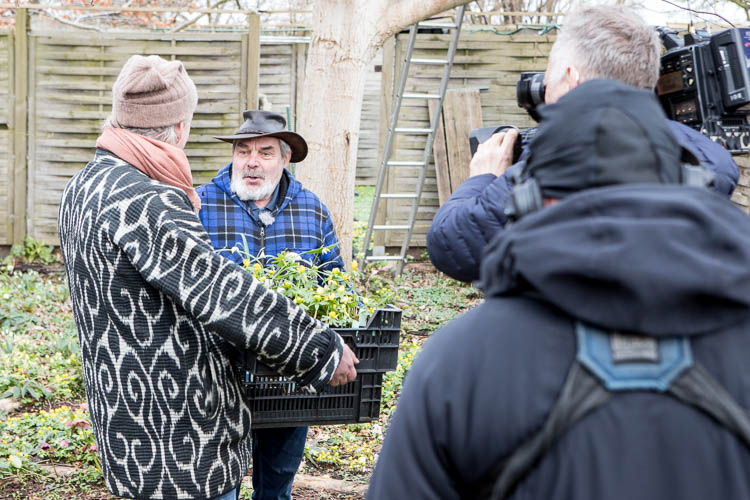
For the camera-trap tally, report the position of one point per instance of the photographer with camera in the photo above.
(596, 42)
(609, 358)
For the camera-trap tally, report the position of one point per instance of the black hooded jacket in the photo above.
(660, 260)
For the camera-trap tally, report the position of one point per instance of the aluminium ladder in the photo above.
(393, 130)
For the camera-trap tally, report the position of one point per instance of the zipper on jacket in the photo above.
(263, 238)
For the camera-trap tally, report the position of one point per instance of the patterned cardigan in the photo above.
(159, 317)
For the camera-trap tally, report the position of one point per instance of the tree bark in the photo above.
(346, 36)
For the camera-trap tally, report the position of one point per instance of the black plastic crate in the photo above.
(277, 402)
(376, 345)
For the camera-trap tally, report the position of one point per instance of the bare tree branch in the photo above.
(403, 13)
(745, 6)
(700, 12)
(196, 18)
(72, 23)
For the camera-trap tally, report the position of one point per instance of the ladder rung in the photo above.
(399, 195)
(413, 130)
(405, 163)
(421, 96)
(433, 62)
(383, 257)
(387, 227)
(433, 24)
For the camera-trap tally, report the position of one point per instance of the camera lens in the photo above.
(530, 90)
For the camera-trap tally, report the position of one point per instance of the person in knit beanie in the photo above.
(153, 101)
(160, 315)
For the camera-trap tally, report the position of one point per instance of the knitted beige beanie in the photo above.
(151, 92)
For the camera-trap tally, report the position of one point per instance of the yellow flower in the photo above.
(302, 269)
(354, 265)
(246, 263)
(297, 300)
(287, 285)
(333, 314)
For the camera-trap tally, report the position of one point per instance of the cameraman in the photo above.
(596, 42)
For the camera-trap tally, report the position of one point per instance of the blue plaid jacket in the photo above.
(301, 221)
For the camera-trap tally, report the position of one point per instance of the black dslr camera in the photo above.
(529, 94)
(704, 83)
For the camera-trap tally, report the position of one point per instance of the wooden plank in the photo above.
(462, 112)
(253, 60)
(391, 54)
(8, 138)
(32, 195)
(117, 37)
(20, 113)
(300, 56)
(440, 158)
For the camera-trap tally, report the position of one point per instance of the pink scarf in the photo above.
(159, 160)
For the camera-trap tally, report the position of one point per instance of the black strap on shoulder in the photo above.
(583, 393)
(696, 387)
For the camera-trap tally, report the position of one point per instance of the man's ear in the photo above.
(573, 77)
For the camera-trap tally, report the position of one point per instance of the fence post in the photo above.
(253, 59)
(20, 125)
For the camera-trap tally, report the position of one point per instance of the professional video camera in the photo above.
(529, 94)
(704, 83)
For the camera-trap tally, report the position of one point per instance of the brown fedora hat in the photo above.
(259, 123)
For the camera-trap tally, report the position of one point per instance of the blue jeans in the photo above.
(232, 495)
(277, 454)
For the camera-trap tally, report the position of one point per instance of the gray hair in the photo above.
(166, 134)
(283, 146)
(607, 41)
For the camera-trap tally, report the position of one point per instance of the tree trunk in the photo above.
(346, 36)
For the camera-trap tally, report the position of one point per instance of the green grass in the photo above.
(363, 202)
(40, 368)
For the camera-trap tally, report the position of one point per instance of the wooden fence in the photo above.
(6, 143)
(55, 90)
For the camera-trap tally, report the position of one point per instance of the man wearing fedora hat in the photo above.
(256, 197)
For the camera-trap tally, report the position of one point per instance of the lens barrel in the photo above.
(530, 91)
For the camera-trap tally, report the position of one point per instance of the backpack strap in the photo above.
(613, 362)
(696, 387)
(580, 395)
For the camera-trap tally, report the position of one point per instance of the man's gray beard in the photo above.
(245, 193)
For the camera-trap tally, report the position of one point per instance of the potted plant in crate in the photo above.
(367, 322)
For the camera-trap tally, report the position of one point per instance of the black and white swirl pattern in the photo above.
(159, 317)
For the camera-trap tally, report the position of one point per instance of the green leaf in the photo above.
(32, 392)
(15, 461)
